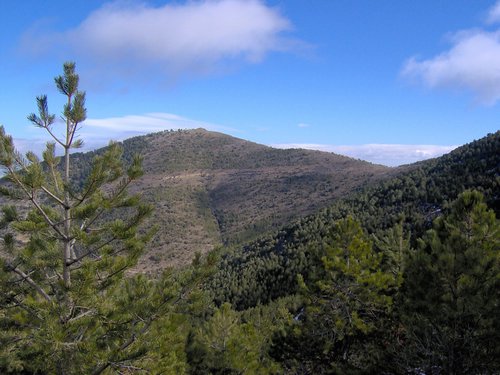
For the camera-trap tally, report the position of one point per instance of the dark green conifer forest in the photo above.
(399, 277)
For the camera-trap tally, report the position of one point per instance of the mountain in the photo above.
(396, 210)
(209, 189)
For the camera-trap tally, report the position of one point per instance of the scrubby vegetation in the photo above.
(210, 189)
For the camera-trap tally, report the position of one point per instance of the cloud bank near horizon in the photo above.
(195, 37)
(97, 133)
(391, 155)
(470, 64)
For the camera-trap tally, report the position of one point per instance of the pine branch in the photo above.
(54, 137)
(111, 275)
(113, 196)
(129, 368)
(54, 197)
(50, 147)
(82, 315)
(93, 251)
(29, 310)
(72, 133)
(31, 197)
(147, 324)
(30, 281)
(85, 194)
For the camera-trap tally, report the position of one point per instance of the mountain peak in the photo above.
(210, 188)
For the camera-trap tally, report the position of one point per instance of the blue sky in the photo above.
(387, 81)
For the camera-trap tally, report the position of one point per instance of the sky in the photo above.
(391, 82)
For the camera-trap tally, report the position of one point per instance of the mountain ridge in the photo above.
(394, 211)
(210, 189)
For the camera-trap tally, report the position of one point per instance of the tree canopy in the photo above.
(63, 299)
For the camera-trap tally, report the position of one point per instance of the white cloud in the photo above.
(494, 13)
(473, 63)
(98, 132)
(386, 154)
(36, 145)
(178, 38)
(119, 128)
(302, 125)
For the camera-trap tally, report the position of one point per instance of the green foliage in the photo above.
(451, 293)
(364, 286)
(422, 191)
(390, 211)
(229, 342)
(66, 307)
(345, 304)
(335, 334)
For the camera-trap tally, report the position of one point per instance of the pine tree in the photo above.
(228, 344)
(339, 328)
(451, 292)
(65, 307)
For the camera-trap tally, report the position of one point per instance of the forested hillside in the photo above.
(394, 211)
(401, 277)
